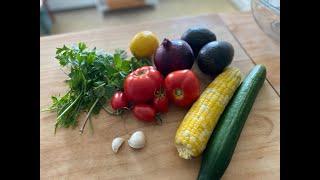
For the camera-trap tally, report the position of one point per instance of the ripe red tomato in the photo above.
(119, 100)
(144, 112)
(182, 87)
(141, 84)
(160, 101)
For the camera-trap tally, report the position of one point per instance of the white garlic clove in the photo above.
(116, 143)
(137, 140)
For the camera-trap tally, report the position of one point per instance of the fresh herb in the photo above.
(93, 79)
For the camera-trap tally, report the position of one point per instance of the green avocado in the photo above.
(197, 37)
(214, 57)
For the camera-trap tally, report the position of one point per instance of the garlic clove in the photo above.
(116, 144)
(137, 140)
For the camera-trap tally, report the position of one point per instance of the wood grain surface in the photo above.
(68, 155)
(260, 48)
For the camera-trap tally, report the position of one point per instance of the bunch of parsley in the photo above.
(93, 79)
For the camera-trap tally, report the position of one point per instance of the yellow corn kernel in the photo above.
(197, 126)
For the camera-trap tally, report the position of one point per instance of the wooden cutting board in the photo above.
(68, 155)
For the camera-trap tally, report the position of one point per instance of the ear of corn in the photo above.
(198, 124)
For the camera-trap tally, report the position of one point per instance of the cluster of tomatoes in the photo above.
(148, 94)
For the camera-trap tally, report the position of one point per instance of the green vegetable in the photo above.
(223, 141)
(94, 77)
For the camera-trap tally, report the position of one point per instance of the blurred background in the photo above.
(64, 16)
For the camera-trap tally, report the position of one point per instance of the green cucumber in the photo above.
(224, 138)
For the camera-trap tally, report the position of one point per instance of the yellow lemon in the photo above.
(144, 44)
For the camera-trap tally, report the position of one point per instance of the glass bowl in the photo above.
(267, 15)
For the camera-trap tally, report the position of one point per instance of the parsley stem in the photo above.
(113, 113)
(69, 107)
(88, 115)
(46, 109)
(99, 86)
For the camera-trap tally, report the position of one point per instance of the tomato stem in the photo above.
(110, 112)
(160, 93)
(178, 93)
(141, 72)
(117, 112)
(158, 118)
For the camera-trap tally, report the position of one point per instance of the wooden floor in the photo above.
(85, 19)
